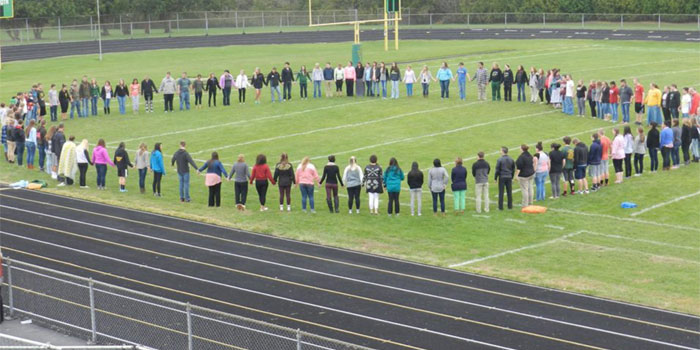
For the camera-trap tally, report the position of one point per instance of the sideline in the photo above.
(659, 205)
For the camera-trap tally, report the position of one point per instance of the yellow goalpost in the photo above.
(393, 6)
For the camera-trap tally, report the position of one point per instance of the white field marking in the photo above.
(633, 251)
(237, 122)
(338, 127)
(541, 52)
(489, 307)
(663, 73)
(641, 240)
(659, 205)
(516, 250)
(629, 65)
(644, 49)
(273, 296)
(371, 255)
(481, 216)
(439, 133)
(612, 217)
(555, 227)
(516, 221)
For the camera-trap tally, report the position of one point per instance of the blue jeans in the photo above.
(444, 88)
(375, 88)
(53, 110)
(409, 89)
(394, 89)
(521, 90)
(675, 155)
(122, 104)
(85, 106)
(106, 103)
(273, 90)
(142, 178)
(19, 148)
(184, 180)
(462, 89)
(31, 152)
(101, 174)
(317, 88)
(613, 111)
(307, 192)
(539, 182)
(185, 100)
(42, 156)
(625, 112)
(426, 88)
(383, 82)
(74, 106)
(438, 196)
(93, 105)
(654, 114)
(568, 105)
(654, 159)
(605, 107)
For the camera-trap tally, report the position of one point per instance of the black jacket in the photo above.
(331, 174)
(121, 159)
(121, 91)
(685, 136)
(273, 79)
(458, 178)
(414, 179)
(508, 77)
(505, 167)
(258, 80)
(521, 77)
(148, 87)
(284, 174)
(653, 139)
(525, 164)
(580, 154)
(287, 75)
(212, 84)
(57, 142)
(674, 100)
(19, 135)
(496, 76)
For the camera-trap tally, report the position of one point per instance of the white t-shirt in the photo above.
(685, 103)
(570, 88)
(409, 77)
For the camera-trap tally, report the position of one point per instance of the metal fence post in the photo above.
(431, 20)
(206, 23)
(505, 19)
(583, 23)
(544, 20)
(189, 326)
(298, 339)
(131, 30)
(469, 22)
(92, 28)
(59, 29)
(262, 17)
(10, 293)
(177, 21)
(26, 24)
(622, 21)
(236, 15)
(149, 24)
(659, 21)
(121, 29)
(356, 16)
(288, 18)
(93, 321)
(334, 16)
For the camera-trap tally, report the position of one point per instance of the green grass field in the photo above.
(585, 244)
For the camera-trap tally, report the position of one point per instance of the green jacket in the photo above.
(303, 78)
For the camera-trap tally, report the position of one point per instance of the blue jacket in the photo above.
(215, 168)
(392, 179)
(328, 74)
(459, 178)
(666, 137)
(595, 153)
(157, 162)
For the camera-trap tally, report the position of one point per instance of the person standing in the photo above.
(285, 178)
(595, 152)
(481, 76)
(183, 90)
(157, 166)
(462, 77)
(626, 95)
(581, 98)
(395, 77)
(360, 79)
(339, 74)
(352, 175)
(686, 140)
(317, 78)
(592, 94)
(20, 138)
(665, 111)
(369, 83)
(94, 96)
(653, 144)
(674, 101)
(480, 172)
(168, 87)
(618, 154)
(82, 157)
(459, 186)
(215, 170)
(198, 87)
(533, 82)
(425, 78)
(507, 84)
(653, 103)
(629, 150)
(242, 84)
(241, 175)
(605, 144)
(226, 83)
(122, 162)
(53, 103)
(106, 95)
(57, 141)
(273, 80)
(41, 143)
(569, 93)
(212, 87)
(84, 93)
(373, 181)
(666, 143)
(331, 174)
(349, 76)
(75, 99)
(409, 78)
(135, 92)
(542, 166)
(495, 78)
(525, 171)
(121, 92)
(303, 79)
(148, 88)
(141, 164)
(392, 180)
(257, 81)
(557, 161)
(505, 169)
(30, 143)
(414, 179)
(328, 78)
(638, 101)
(183, 160)
(614, 97)
(639, 151)
(100, 158)
(444, 75)
(520, 81)
(381, 76)
(580, 164)
(437, 182)
(287, 80)
(307, 177)
(677, 141)
(568, 172)
(67, 165)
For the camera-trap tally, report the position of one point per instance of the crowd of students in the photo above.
(672, 121)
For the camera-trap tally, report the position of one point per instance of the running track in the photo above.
(365, 299)
(38, 51)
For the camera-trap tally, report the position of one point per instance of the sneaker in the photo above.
(419, 214)
(637, 174)
(313, 211)
(262, 208)
(357, 211)
(350, 211)
(85, 187)
(289, 208)
(281, 207)
(586, 192)
(61, 184)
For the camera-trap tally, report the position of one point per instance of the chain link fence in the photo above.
(107, 314)
(143, 25)
(8, 342)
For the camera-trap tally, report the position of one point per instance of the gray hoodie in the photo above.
(167, 86)
(240, 172)
(352, 177)
(437, 179)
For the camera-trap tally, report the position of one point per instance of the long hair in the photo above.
(84, 144)
(214, 157)
(30, 126)
(393, 163)
(142, 148)
(640, 131)
(414, 169)
(304, 163)
(353, 163)
(261, 159)
(101, 142)
(50, 133)
(157, 147)
(284, 159)
(628, 130)
(121, 145)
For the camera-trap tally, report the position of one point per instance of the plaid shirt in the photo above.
(4, 134)
(481, 76)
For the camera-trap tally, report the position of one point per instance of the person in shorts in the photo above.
(605, 157)
(638, 101)
(594, 161)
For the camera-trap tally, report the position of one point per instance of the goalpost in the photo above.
(390, 6)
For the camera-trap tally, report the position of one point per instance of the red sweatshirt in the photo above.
(261, 172)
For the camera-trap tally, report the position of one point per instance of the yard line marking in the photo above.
(516, 250)
(451, 131)
(447, 283)
(337, 127)
(630, 65)
(554, 227)
(659, 205)
(315, 272)
(276, 116)
(634, 251)
(516, 221)
(669, 72)
(481, 216)
(642, 240)
(638, 221)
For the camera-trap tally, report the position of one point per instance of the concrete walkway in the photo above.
(37, 333)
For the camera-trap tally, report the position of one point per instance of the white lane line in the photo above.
(374, 256)
(337, 127)
(555, 227)
(481, 216)
(633, 251)
(630, 65)
(659, 205)
(516, 221)
(642, 240)
(339, 276)
(446, 132)
(612, 217)
(237, 122)
(664, 73)
(273, 296)
(516, 250)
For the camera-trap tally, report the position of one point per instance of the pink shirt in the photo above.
(100, 156)
(135, 89)
(618, 147)
(349, 73)
(307, 176)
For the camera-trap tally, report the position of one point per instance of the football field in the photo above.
(586, 244)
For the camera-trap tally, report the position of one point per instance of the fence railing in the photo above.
(8, 342)
(107, 314)
(57, 29)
